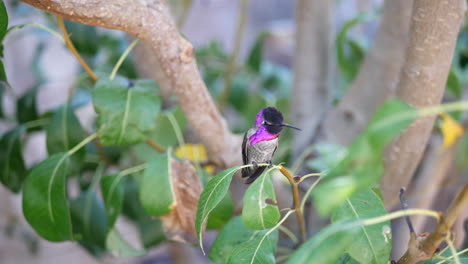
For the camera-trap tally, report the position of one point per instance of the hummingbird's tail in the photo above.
(256, 173)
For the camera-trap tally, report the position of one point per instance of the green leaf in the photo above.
(156, 191)
(119, 247)
(126, 111)
(214, 192)
(254, 59)
(370, 243)
(3, 77)
(259, 211)
(453, 84)
(89, 221)
(347, 259)
(151, 231)
(45, 205)
(64, 131)
(12, 168)
(112, 194)
(329, 156)
(84, 37)
(326, 247)
(3, 21)
(26, 109)
(237, 244)
(362, 165)
(222, 213)
(2, 89)
(349, 53)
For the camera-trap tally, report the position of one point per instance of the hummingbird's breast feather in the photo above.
(262, 151)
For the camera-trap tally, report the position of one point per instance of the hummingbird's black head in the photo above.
(273, 120)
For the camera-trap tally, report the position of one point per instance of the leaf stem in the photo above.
(447, 259)
(452, 249)
(177, 131)
(231, 67)
(296, 200)
(132, 170)
(122, 58)
(289, 233)
(398, 214)
(81, 144)
(309, 175)
(154, 145)
(37, 123)
(307, 194)
(72, 48)
(51, 31)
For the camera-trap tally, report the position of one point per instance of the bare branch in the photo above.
(423, 247)
(433, 34)
(151, 21)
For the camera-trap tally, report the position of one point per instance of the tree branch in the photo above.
(433, 34)
(312, 61)
(423, 248)
(151, 21)
(377, 79)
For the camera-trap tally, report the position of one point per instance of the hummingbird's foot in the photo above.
(270, 164)
(255, 165)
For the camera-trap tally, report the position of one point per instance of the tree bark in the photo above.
(312, 59)
(377, 78)
(151, 21)
(433, 34)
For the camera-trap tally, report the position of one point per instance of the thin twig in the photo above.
(71, 47)
(297, 201)
(231, 68)
(404, 206)
(154, 145)
(423, 248)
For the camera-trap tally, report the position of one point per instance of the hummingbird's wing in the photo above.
(245, 171)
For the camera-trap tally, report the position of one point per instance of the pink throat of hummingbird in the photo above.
(261, 134)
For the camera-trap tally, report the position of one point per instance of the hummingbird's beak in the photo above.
(286, 125)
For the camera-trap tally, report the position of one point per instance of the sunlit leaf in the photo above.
(45, 205)
(127, 111)
(12, 168)
(370, 243)
(260, 210)
(451, 130)
(214, 192)
(119, 247)
(237, 244)
(112, 194)
(363, 164)
(325, 247)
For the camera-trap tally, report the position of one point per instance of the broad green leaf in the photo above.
(347, 259)
(119, 247)
(3, 77)
(260, 211)
(45, 205)
(12, 168)
(89, 221)
(221, 214)
(214, 192)
(112, 194)
(370, 243)
(150, 230)
(326, 247)
(329, 156)
(2, 90)
(156, 191)
(126, 111)
(236, 244)
(362, 165)
(64, 131)
(26, 109)
(254, 60)
(3, 21)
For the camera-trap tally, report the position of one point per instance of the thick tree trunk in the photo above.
(377, 78)
(151, 21)
(312, 58)
(433, 34)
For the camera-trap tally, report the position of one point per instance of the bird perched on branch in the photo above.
(261, 141)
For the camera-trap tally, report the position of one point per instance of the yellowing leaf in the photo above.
(451, 130)
(195, 153)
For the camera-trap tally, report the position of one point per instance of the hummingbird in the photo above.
(260, 142)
